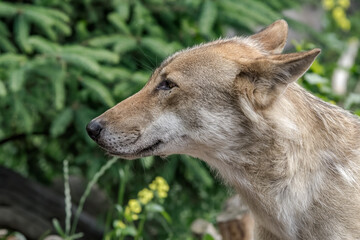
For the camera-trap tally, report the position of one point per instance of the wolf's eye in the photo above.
(166, 85)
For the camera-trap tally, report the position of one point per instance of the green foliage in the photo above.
(339, 31)
(64, 62)
(70, 231)
(147, 206)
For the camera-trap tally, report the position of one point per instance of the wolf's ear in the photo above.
(272, 74)
(273, 37)
(287, 68)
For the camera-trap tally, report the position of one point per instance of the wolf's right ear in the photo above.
(273, 37)
(263, 80)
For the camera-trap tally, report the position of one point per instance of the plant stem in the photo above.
(87, 191)
(122, 237)
(109, 217)
(141, 226)
(123, 179)
(67, 198)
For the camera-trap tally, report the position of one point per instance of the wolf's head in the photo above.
(203, 97)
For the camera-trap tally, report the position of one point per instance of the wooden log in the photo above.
(236, 221)
(28, 207)
(201, 227)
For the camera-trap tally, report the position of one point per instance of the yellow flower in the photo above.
(152, 186)
(127, 210)
(119, 224)
(162, 194)
(162, 185)
(328, 4)
(344, 3)
(160, 180)
(145, 196)
(344, 24)
(134, 217)
(134, 206)
(338, 13)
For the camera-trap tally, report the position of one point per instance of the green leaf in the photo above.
(4, 30)
(59, 89)
(125, 45)
(61, 122)
(352, 99)
(207, 237)
(43, 45)
(112, 73)
(7, 10)
(24, 121)
(123, 89)
(100, 89)
(147, 162)
(141, 77)
(21, 30)
(54, 13)
(42, 21)
(122, 8)
(98, 54)
(250, 10)
(63, 28)
(58, 227)
(75, 236)
(17, 78)
(196, 172)
(166, 216)
(81, 29)
(159, 46)
(3, 91)
(154, 207)
(119, 23)
(240, 14)
(47, 19)
(105, 40)
(130, 231)
(7, 45)
(207, 17)
(37, 17)
(119, 208)
(170, 168)
(82, 62)
(139, 18)
(11, 59)
(263, 10)
(315, 79)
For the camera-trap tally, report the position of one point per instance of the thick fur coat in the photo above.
(234, 104)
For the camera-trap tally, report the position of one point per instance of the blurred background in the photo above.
(64, 62)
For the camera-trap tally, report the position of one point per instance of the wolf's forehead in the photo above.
(230, 48)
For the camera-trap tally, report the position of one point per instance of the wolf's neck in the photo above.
(280, 166)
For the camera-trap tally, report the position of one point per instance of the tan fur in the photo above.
(293, 158)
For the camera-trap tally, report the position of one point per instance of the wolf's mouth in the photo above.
(150, 148)
(139, 153)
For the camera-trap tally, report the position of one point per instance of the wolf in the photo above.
(235, 104)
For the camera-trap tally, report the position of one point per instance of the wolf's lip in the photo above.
(152, 147)
(140, 153)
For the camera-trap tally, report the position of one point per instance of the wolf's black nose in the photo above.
(94, 128)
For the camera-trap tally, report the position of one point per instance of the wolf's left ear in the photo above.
(287, 68)
(272, 74)
(273, 37)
